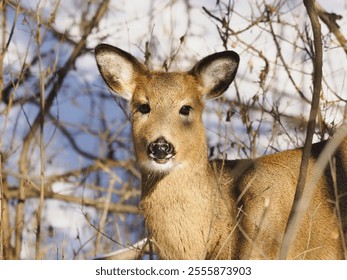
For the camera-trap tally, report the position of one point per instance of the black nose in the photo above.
(160, 149)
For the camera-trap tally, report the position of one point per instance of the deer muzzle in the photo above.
(161, 150)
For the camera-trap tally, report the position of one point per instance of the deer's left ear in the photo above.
(216, 72)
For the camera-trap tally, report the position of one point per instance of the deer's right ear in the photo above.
(119, 69)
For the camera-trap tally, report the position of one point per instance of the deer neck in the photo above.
(184, 208)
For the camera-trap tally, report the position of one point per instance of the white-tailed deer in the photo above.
(196, 209)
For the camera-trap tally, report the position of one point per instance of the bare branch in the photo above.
(133, 252)
(296, 213)
(330, 20)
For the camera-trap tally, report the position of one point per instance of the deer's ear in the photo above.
(119, 69)
(216, 72)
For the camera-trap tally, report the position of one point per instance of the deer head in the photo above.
(167, 108)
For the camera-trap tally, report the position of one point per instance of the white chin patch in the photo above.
(160, 167)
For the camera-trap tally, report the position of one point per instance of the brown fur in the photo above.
(197, 209)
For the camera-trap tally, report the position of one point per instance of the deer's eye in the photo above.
(144, 109)
(185, 110)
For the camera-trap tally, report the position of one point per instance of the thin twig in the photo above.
(285, 65)
(42, 144)
(132, 252)
(333, 169)
(2, 198)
